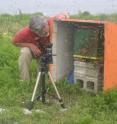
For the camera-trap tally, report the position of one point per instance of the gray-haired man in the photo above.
(29, 39)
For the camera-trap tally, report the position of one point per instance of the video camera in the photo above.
(46, 54)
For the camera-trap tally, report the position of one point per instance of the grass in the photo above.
(82, 107)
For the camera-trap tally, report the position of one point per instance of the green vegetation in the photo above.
(12, 23)
(103, 17)
(82, 107)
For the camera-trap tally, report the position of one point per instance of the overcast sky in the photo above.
(51, 7)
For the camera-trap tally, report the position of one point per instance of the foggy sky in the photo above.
(50, 7)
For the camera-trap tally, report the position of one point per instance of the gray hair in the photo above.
(37, 23)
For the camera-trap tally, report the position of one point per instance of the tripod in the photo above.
(40, 82)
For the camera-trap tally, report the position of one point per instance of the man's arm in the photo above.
(35, 50)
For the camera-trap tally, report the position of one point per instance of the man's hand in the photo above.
(62, 16)
(35, 50)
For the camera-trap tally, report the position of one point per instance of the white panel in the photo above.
(63, 47)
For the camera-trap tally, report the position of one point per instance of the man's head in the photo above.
(39, 25)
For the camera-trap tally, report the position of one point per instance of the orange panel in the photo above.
(110, 56)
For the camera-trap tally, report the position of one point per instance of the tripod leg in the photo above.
(59, 97)
(36, 86)
(30, 106)
(43, 87)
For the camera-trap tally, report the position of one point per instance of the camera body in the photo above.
(46, 54)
